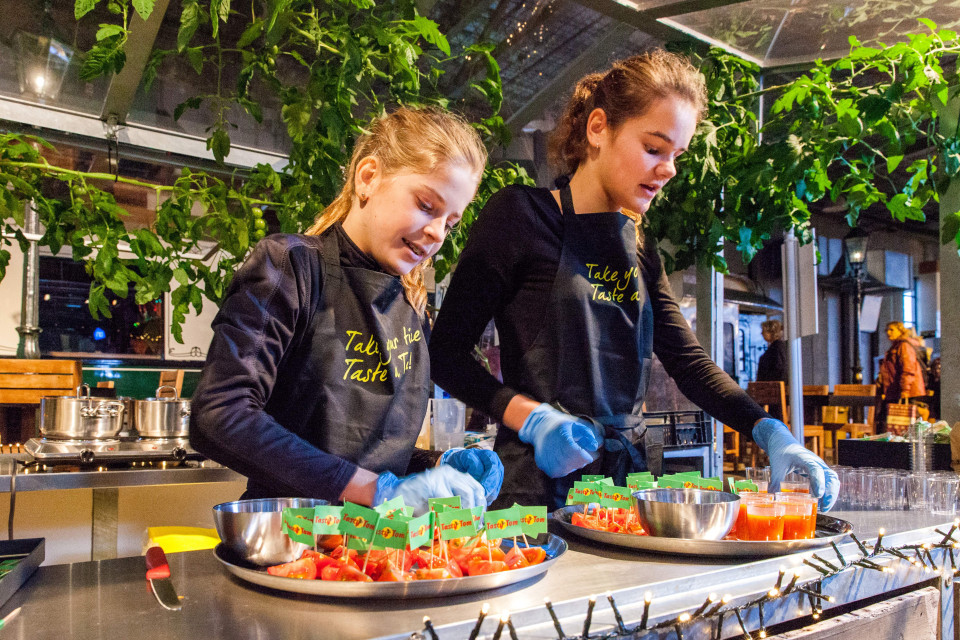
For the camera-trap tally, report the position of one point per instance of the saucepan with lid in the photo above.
(80, 417)
(163, 417)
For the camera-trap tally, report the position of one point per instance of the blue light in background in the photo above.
(99, 334)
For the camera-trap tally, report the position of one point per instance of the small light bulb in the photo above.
(684, 617)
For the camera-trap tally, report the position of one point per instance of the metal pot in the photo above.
(80, 417)
(163, 417)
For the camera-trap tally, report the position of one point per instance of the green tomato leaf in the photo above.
(108, 30)
(190, 103)
(893, 162)
(219, 144)
(189, 22)
(296, 115)
(950, 227)
(250, 34)
(195, 56)
(83, 7)
(144, 8)
(181, 276)
(430, 32)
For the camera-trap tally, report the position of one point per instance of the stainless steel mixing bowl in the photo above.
(253, 529)
(687, 513)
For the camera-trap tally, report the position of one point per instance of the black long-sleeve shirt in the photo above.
(507, 271)
(257, 333)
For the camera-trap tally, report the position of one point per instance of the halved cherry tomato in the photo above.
(320, 559)
(304, 569)
(479, 567)
(432, 574)
(390, 573)
(344, 573)
(329, 542)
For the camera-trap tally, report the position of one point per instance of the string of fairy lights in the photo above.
(717, 609)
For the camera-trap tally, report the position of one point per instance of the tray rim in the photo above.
(706, 548)
(396, 590)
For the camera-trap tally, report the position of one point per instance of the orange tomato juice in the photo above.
(765, 521)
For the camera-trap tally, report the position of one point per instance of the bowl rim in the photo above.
(225, 507)
(645, 495)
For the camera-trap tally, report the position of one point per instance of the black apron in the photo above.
(357, 384)
(592, 358)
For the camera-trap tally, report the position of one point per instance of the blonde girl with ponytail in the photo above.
(317, 378)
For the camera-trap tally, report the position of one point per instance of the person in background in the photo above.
(581, 300)
(900, 374)
(933, 389)
(317, 378)
(772, 365)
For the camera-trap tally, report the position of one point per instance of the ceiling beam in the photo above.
(648, 20)
(123, 86)
(563, 81)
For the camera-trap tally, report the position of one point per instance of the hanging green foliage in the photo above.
(837, 133)
(332, 66)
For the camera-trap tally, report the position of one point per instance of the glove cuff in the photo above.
(449, 454)
(386, 486)
(527, 432)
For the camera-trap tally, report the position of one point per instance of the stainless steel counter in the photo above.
(109, 599)
(32, 480)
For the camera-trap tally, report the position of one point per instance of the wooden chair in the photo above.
(773, 398)
(171, 378)
(813, 427)
(867, 426)
(24, 382)
(731, 448)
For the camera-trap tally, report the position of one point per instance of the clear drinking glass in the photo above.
(917, 490)
(795, 482)
(942, 493)
(886, 488)
(759, 476)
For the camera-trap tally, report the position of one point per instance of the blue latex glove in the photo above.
(786, 453)
(438, 482)
(483, 465)
(561, 443)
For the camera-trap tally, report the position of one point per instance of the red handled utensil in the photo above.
(158, 574)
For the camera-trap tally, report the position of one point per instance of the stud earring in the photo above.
(363, 198)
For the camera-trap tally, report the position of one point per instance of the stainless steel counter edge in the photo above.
(742, 583)
(44, 481)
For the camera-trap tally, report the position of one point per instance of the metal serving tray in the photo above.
(555, 547)
(29, 552)
(829, 530)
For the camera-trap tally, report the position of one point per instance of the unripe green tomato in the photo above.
(511, 175)
(259, 224)
(257, 213)
(274, 50)
(258, 235)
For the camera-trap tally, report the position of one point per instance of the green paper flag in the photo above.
(456, 523)
(420, 530)
(533, 520)
(672, 483)
(326, 520)
(616, 498)
(571, 498)
(358, 521)
(388, 507)
(502, 524)
(640, 485)
(645, 476)
(298, 524)
(441, 504)
(391, 533)
(745, 485)
(590, 478)
(586, 492)
(710, 483)
(606, 481)
(478, 517)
